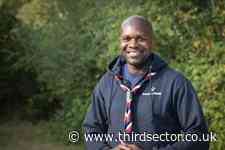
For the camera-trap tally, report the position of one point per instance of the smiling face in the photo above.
(135, 42)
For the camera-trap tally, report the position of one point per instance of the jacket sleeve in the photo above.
(190, 116)
(95, 122)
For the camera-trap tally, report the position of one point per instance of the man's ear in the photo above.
(152, 44)
(153, 41)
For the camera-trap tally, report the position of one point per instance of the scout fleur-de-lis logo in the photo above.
(153, 89)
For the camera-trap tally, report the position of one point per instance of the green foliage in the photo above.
(67, 45)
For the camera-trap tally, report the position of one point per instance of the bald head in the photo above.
(137, 21)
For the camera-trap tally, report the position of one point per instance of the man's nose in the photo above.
(133, 43)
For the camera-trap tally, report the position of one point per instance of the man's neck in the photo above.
(136, 69)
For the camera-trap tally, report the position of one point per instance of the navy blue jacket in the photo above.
(165, 103)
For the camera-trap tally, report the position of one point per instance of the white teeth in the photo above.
(133, 53)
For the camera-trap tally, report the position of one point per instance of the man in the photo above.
(141, 94)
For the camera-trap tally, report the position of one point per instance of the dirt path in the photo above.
(25, 136)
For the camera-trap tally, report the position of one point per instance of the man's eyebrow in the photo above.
(136, 36)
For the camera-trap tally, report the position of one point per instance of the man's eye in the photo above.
(126, 39)
(141, 39)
